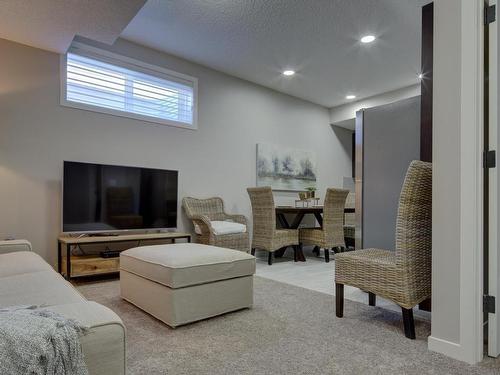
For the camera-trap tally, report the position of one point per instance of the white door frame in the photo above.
(465, 35)
(493, 251)
(471, 180)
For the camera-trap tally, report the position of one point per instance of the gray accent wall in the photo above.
(391, 140)
(37, 134)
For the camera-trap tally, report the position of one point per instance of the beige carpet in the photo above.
(290, 330)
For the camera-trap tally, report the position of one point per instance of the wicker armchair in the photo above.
(403, 276)
(331, 235)
(203, 211)
(265, 235)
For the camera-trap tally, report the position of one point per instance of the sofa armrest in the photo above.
(103, 345)
(10, 246)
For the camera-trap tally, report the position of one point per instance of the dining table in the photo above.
(298, 214)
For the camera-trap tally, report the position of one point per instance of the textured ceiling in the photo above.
(52, 24)
(256, 40)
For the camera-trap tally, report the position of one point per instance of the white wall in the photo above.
(37, 134)
(457, 183)
(344, 115)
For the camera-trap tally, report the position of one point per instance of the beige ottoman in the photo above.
(183, 283)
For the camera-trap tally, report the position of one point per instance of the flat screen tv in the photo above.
(110, 198)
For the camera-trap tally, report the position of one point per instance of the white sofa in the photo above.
(26, 279)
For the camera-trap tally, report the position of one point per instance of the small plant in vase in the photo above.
(311, 192)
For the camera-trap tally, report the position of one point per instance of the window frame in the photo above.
(132, 64)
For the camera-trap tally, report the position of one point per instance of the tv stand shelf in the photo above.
(71, 266)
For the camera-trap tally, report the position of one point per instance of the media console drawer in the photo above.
(89, 265)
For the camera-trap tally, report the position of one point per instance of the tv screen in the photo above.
(107, 198)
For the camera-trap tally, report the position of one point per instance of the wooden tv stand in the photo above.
(71, 266)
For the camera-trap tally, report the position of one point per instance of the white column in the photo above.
(457, 180)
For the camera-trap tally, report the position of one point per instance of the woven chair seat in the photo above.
(311, 232)
(314, 236)
(375, 271)
(376, 256)
(284, 237)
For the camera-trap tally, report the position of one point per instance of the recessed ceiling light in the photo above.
(350, 97)
(367, 39)
(288, 73)
(420, 76)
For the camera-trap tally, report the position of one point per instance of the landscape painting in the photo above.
(285, 168)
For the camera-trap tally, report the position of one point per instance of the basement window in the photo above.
(103, 82)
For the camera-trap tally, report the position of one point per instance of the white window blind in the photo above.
(121, 89)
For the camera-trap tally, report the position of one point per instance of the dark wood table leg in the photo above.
(68, 262)
(298, 219)
(300, 254)
(295, 225)
(283, 221)
(59, 257)
(284, 224)
(279, 253)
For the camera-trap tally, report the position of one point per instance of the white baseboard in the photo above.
(448, 348)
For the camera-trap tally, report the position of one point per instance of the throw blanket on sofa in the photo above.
(36, 341)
